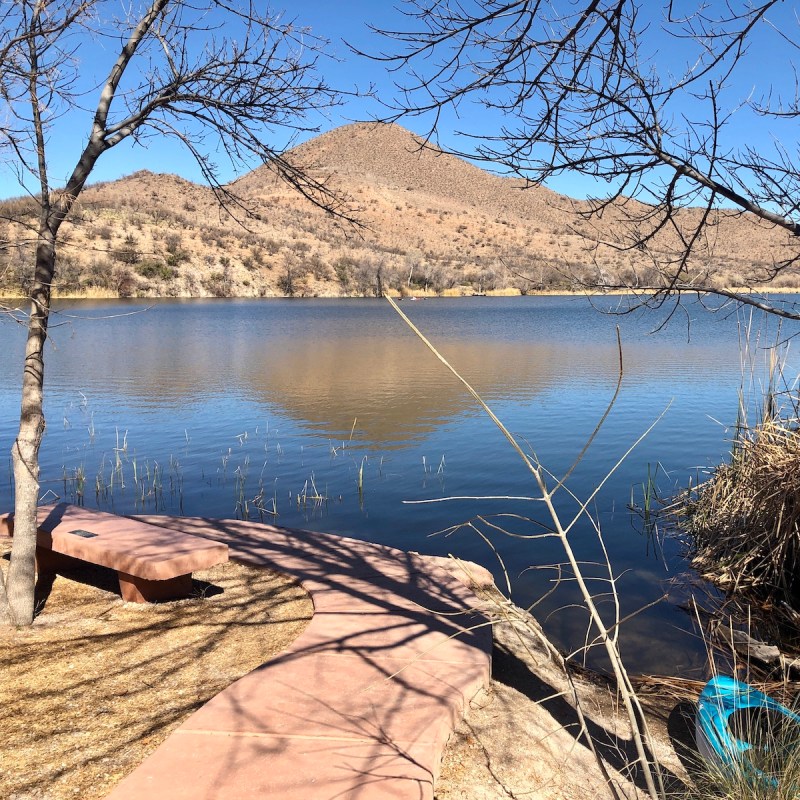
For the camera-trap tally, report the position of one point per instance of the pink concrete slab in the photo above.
(290, 539)
(325, 719)
(319, 552)
(385, 593)
(408, 636)
(345, 697)
(319, 565)
(148, 551)
(348, 567)
(197, 766)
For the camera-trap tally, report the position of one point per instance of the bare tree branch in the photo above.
(179, 73)
(590, 88)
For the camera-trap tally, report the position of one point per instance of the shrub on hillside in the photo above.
(158, 270)
(342, 268)
(100, 274)
(286, 283)
(218, 284)
(68, 277)
(129, 252)
(317, 267)
(175, 259)
(19, 208)
(173, 242)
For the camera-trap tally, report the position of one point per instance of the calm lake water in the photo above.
(226, 407)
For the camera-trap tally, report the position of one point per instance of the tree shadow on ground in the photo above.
(617, 751)
(105, 579)
(109, 679)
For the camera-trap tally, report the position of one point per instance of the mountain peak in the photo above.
(379, 152)
(388, 156)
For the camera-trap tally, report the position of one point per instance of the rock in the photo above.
(746, 645)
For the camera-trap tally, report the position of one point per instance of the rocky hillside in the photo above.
(425, 221)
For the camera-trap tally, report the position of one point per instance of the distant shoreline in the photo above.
(104, 294)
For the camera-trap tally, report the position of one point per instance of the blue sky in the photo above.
(347, 20)
(343, 70)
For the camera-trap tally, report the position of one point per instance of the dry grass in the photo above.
(664, 687)
(745, 521)
(96, 684)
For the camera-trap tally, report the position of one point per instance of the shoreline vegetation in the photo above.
(428, 224)
(95, 293)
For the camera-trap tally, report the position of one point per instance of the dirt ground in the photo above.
(523, 738)
(96, 684)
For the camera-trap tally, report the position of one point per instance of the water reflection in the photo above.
(324, 367)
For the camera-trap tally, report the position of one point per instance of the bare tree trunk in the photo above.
(20, 584)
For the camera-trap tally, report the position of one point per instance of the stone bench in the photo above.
(153, 563)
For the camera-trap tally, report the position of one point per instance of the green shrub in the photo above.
(129, 252)
(158, 270)
(175, 259)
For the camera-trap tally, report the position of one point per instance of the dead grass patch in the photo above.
(745, 520)
(95, 684)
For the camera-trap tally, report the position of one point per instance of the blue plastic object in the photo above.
(717, 742)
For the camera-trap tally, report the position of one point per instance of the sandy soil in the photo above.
(96, 684)
(522, 738)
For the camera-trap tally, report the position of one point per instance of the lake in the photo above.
(331, 415)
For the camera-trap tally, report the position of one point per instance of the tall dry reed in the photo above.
(745, 520)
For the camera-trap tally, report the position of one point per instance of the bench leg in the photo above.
(48, 562)
(139, 590)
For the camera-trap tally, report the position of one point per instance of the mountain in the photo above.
(389, 157)
(426, 220)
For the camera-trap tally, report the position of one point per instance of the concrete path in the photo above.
(360, 706)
